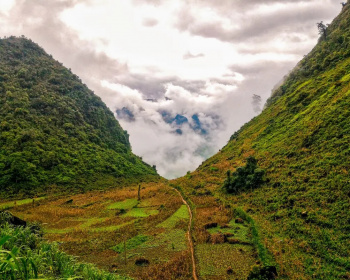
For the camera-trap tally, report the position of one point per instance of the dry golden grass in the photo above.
(87, 228)
(177, 268)
(217, 238)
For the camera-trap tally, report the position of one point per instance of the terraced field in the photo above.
(117, 231)
(14, 203)
(224, 246)
(146, 237)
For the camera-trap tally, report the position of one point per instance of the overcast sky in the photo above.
(179, 75)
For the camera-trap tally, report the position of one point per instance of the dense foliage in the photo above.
(24, 255)
(53, 129)
(244, 178)
(302, 141)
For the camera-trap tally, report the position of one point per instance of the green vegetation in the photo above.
(9, 204)
(175, 240)
(130, 243)
(245, 178)
(54, 132)
(172, 240)
(24, 255)
(126, 204)
(85, 227)
(87, 224)
(264, 256)
(141, 212)
(295, 222)
(109, 228)
(216, 260)
(241, 232)
(301, 139)
(180, 215)
(129, 208)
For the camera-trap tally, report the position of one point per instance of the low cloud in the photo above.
(150, 86)
(190, 55)
(149, 22)
(248, 46)
(157, 139)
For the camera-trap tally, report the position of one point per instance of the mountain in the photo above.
(302, 142)
(54, 131)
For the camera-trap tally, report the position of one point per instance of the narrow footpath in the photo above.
(189, 236)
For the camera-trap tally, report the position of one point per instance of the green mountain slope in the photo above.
(302, 140)
(54, 130)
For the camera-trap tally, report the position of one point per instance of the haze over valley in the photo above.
(178, 75)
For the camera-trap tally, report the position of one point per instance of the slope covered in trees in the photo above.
(301, 139)
(54, 131)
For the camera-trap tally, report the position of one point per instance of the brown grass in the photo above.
(178, 268)
(82, 226)
(217, 238)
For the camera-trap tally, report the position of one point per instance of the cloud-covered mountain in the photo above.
(204, 58)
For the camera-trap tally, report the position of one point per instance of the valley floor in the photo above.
(148, 237)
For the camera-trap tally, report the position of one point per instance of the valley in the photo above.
(273, 203)
(114, 230)
(95, 227)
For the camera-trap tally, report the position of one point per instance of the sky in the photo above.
(179, 76)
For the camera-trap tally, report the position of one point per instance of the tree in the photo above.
(256, 102)
(244, 178)
(322, 29)
(139, 193)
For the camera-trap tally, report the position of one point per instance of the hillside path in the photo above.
(189, 236)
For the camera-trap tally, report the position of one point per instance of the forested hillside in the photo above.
(54, 131)
(301, 142)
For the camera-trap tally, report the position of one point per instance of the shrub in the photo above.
(245, 178)
(24, 255)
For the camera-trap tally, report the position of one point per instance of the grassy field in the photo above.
(24, 254)
(224, 243)
(95, 226)
(114, 230)
(215, 261)
(14, 203)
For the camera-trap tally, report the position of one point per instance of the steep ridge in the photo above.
(301, 139)
(55, 132)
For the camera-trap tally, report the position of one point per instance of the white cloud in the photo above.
(6, 6)
(202, 60)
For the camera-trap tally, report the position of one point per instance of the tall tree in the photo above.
(322, 29)
(256, 102)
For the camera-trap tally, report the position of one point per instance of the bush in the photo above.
(245, 178)
(24, 255)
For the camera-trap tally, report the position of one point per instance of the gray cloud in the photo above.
(125, 114)
(259, 67)
(261, 76)
(148, 2)
(261, 25)
(153, 87)
(150, 86)
(39, 20)
(190, 85)
(222, 103)
(190, 55)
(228, 7)
(149, 22)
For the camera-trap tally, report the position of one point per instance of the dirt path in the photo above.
(189, 237)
